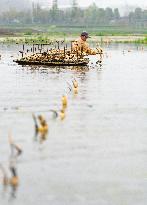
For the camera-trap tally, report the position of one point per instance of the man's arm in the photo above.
(75, 46)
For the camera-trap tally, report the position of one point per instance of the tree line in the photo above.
(75, 16)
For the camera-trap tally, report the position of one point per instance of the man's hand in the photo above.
(99, 50)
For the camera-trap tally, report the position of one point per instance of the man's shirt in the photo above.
(82, 47)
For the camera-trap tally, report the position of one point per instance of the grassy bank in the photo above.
(47, 38)
(48, 33)
(97, 30)
(142, 41)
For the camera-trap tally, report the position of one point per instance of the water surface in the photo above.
(97, 155)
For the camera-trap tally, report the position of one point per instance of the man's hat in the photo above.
(84, 33)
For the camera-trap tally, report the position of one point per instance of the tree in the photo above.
(90, 14)
(108, 14)
(54, 11)
(131, 18)
(101, 16)
(74, 8)
(116, 14)
(138, 13)
(55, 5)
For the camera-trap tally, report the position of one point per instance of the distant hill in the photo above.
(14, 4)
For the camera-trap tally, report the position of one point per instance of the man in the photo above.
(81, 46)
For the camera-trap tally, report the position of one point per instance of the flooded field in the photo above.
(97, 155)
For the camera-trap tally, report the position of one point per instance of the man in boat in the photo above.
(81, 46)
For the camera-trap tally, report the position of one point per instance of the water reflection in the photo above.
(55, 68)
(11, 181)
(41, 127)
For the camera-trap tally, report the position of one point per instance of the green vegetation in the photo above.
(47, 33)
(141, 41)
(38, 25)
(48, 38)
(38, 29)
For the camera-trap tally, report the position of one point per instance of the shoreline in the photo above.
(99, 39)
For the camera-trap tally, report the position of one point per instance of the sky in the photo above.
(100, 3)
(124, 6)
(105, 3)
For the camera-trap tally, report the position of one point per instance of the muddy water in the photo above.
(97, 155)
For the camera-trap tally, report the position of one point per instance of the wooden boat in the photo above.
(54, 58)
(53, 63)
